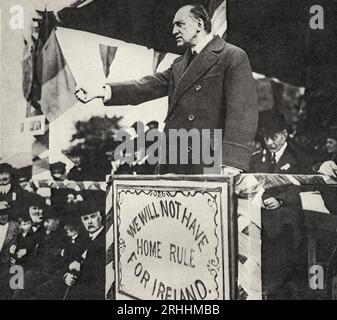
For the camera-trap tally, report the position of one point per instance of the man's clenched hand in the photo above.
(85, 94)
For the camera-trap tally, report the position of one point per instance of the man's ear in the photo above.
(200, 24)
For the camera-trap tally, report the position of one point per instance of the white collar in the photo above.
(202, 43)
(5, 189)
(94, 235)
(24, 234)
(279, 153)
(36, 227)
(3, 234)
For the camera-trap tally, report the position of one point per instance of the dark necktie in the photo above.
(272, 163)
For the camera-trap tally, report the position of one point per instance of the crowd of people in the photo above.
(61, 248)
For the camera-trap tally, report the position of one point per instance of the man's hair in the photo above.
(199, 12)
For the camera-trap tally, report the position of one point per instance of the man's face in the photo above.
(58, 175)
(51, 224)
(331, 145)
(5, 178)
(70, 231)
(25, 226)
(276, 141)
(36, 214)
(3, 219)
(185, 27)
(92, 222)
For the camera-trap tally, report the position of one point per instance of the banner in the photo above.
(172, 240)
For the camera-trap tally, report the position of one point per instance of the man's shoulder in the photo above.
(233, 48)
(257, 155)
(295, 150)
(178, 59)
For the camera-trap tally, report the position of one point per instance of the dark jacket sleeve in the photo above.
(136, 92)
(241, 111)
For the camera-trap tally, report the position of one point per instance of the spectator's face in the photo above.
(70, 231)
(4, 219)
(331, 145)
(58, 174)
(25, 226)
(185, 28)
(36, 214)
(24, 183)
(92, 222)
(5, 178)
(51, 224)
(276, 141)
(71, 198)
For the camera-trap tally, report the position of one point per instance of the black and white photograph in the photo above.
(168, 150)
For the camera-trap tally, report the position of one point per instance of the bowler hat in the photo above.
(32, 199)
(52, 213)
(57, 166)
(271, 122)
(332, 133)
(6, 167)
(91, 205)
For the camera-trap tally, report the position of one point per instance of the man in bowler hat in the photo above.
(86, 275)
(282, 216)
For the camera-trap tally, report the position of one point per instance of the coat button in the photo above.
(198, 87)
(191, 117)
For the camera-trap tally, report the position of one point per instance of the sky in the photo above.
(13, 143)
(15, 146)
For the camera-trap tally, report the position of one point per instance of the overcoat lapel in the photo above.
(286, 160)
(185, 77)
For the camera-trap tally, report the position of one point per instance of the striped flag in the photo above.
(58, 83)
(108, 54)
(219, 19)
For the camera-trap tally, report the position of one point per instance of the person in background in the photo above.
(86, 276)
(24, 176)
(23, 251)
(328, 166)
(76, 238)
(48, 262)
(58, 171)
(8, 238)
(282, 216)
(11, 194)
(36, 207)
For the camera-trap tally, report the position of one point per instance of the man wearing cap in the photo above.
(86, 278)
(48, 262)
(282, 219)
(210, 87)
(11, 194)
(58, 171)
(35, 206)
